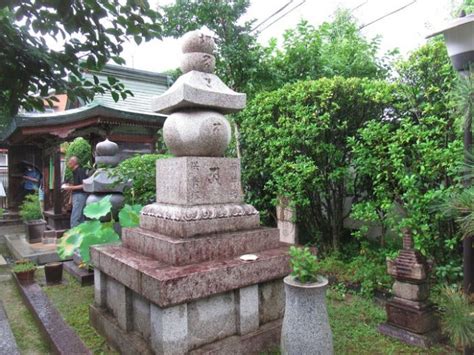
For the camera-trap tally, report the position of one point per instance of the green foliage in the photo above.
(457, 316)
(294, 144)
(141, 171)
(304, 266)
(410, 162)
(24, 267)
(98, 209)
(92, 33)
(94, 231)
(81, 149)
(30, 208)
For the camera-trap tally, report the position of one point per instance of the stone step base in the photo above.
(83, 276)
(185, 251)
(167, 285)
(266, 338)
(422, 340)
(414, 316)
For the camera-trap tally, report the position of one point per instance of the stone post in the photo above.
(286, 220)
(410, 316)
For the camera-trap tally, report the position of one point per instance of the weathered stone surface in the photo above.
(107, 326)
(200, 61)
(266, 338)
(100, 288)
(202, 220)
(100, 181)
(421, 340)
(169, 329)
(7, 340)
(271, 301)
(211, 319)
(416, 317)
(247, 303)
(197, 41)
(196, 89)
(305, 328)
(198, 181)
(413, 292)
(184, 251)
(62, 339)
(167, 285)
(141, 315)
(82, 275)
(197, 133)
(119, 302)
(109, 161)
(106, 148)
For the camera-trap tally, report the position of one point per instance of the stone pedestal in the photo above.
(410, 317)
(177, 284)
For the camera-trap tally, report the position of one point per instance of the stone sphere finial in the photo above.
(198, 50)
(106, 148)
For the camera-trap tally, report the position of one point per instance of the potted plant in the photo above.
(53, 272)
(25, 271)
(30, 212)
(305, 328)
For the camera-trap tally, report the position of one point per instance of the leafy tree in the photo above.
(411, 162)
(294, 143)
(91, 33)
(238, 55)
(81, 149)
(141, 170)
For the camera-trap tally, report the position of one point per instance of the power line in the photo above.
(286, 13)
(272, 15)
(386, 15)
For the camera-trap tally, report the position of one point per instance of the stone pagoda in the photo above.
(199, 275)
(410, 317)
(99, 185)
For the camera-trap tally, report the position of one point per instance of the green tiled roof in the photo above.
(143, 84)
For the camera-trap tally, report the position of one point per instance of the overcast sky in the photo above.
(405, 29)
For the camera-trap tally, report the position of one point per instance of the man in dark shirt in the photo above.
(78, 195)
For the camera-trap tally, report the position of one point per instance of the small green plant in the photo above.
(24, 267)
(30, 209)
(457, 316)
(94, 231)
(303, 264)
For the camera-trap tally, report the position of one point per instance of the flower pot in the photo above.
(306, 327)
(53, 272)
(26, 276)
(35, 230)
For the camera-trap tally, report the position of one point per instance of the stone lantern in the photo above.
(459, 38)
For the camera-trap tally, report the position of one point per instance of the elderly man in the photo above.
(78, 195)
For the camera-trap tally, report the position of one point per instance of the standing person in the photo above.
(31, 179)
(78, 195)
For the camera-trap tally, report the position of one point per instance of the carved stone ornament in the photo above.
(199, 212)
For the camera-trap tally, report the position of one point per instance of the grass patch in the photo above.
(72, 301)
(354, 324)
(27, 334)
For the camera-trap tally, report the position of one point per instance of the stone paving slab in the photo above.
(7, 340)
(39, 253)
(62, 338)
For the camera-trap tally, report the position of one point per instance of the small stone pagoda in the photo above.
(410, 317)
(199, 275)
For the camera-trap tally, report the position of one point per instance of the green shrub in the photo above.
(81, 149)
(30, 208)
(457, 316)
(294, 145)
(24, 267)
(304, 266)
(141, 170)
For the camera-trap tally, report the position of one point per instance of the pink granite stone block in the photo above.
(167, 285)
(178, 251)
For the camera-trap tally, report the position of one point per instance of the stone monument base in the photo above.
(225, 305)
(422, 340)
